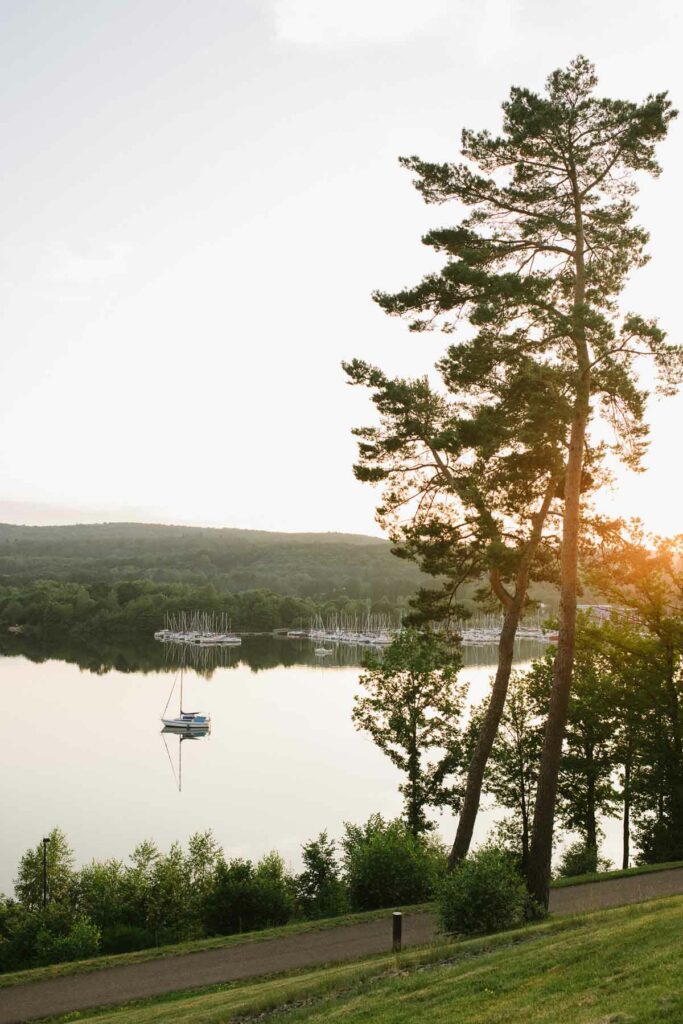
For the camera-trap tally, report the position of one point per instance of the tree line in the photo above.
(319, 567)
(154, 898)
(136, 608)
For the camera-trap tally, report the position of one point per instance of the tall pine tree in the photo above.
(537, 267)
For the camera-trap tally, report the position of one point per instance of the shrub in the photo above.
(246, 897)
(320, 891)
(124, 938)
(386, 866)
(80, 942)
(483, 894)
(581, 859)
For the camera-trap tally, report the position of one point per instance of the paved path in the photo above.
(253, 959)
(615, 892)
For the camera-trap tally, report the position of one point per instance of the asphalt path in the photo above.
(111, 985)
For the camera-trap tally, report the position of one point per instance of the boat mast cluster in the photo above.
(200, 628)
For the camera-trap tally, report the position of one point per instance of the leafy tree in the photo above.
(319, 888)
(386, 865)
(100, 893)
(201, 861)
(641, 575)
(244, 896)
(411, 709)
(590, 752)
(28, 885)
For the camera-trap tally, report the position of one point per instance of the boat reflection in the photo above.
(183, 735)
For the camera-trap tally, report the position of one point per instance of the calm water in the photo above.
(82, 749)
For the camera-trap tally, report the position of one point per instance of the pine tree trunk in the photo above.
(538, 874)
(540, 856)
(488, 731)
(496, 706)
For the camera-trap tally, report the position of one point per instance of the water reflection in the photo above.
(257, 652)
(183, 735)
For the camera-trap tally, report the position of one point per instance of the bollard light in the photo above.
(397, 928)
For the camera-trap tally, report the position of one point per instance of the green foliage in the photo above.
(386, 865)
(28, 885)
(319, 888)
(581, 859)
(641, 576)
(411, 708)
(125, 564)
(484, 893)
(80, 942)
(590, 756)
(245, 897)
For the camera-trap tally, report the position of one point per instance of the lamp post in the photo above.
(46, 843)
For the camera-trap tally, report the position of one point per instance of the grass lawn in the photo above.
(620, 966)
(604, 876)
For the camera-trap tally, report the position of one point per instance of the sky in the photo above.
(198, 201)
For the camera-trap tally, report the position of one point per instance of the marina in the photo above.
(379, 631)
(201, 629)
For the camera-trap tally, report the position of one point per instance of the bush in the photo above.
(81, 942)
(245, 897)
(483, 894)
(386, 866)
(319, 889)
(580, 859)
(124, 938)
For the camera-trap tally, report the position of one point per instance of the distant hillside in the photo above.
(316, 565)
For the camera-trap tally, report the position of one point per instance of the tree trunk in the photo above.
(414, 803)
(540, 856)
(538, 874)
(489, 730)
(525, 829)
(591, 820)
(494, 711)
(627, 813)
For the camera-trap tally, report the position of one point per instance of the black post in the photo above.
(397, 925)
(46, 842)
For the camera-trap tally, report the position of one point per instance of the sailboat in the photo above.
(187, 721)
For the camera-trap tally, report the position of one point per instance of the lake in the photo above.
(83, 749)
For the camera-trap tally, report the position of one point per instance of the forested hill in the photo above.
(316, 565)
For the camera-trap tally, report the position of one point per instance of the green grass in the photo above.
(604, 876)
(618, 966)
(196, 946)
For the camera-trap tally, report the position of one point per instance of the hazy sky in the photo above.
(199, 199)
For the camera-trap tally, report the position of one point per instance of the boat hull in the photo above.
(199, 724)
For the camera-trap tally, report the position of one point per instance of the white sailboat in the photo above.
(187, 721)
